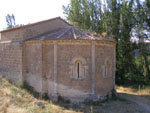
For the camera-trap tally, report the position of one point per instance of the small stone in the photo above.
(40, 104)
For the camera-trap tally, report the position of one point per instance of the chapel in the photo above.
(56, 58)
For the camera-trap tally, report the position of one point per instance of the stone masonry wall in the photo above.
(11, 60)
(11, 46)
(66, 53)
(49, 67)
(33, 65)
(104, 83)
(43, 27)
(32, 30)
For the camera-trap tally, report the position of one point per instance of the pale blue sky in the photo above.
(29, 11)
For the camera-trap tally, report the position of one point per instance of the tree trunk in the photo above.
(146, 65)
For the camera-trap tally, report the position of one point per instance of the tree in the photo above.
(143, 33)
(117, 19)
(11, 22)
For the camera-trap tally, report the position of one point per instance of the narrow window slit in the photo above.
(78, 69)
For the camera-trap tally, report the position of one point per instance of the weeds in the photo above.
(31, 90)
(62, 100)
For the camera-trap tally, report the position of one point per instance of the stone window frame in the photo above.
(106, 73)
(84, 65)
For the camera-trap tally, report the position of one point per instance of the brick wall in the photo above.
(11, 49)
(66, 52)
(45, 76)
(103, 84)
(29, 31)
(33, 65)
(11, 60)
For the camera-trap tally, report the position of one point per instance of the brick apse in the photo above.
(56, 58)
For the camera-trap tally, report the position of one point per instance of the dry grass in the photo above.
(14, 99)
(134, 91)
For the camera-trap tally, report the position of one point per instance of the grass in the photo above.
(16, 99)
(136, 90)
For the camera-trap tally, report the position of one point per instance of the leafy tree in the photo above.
(143, 33)
(118, 19)
(11, 22)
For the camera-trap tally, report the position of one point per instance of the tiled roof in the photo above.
(69, 32)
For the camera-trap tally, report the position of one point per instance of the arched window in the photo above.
(78, 69)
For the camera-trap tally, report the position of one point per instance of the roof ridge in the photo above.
(27, 25)
(64, 32)
(74, 33)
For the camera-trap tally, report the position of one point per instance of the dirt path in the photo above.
(146, 107)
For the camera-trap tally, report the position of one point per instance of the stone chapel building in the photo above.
(56, 58)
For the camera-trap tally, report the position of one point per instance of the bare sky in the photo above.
(29, 11)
